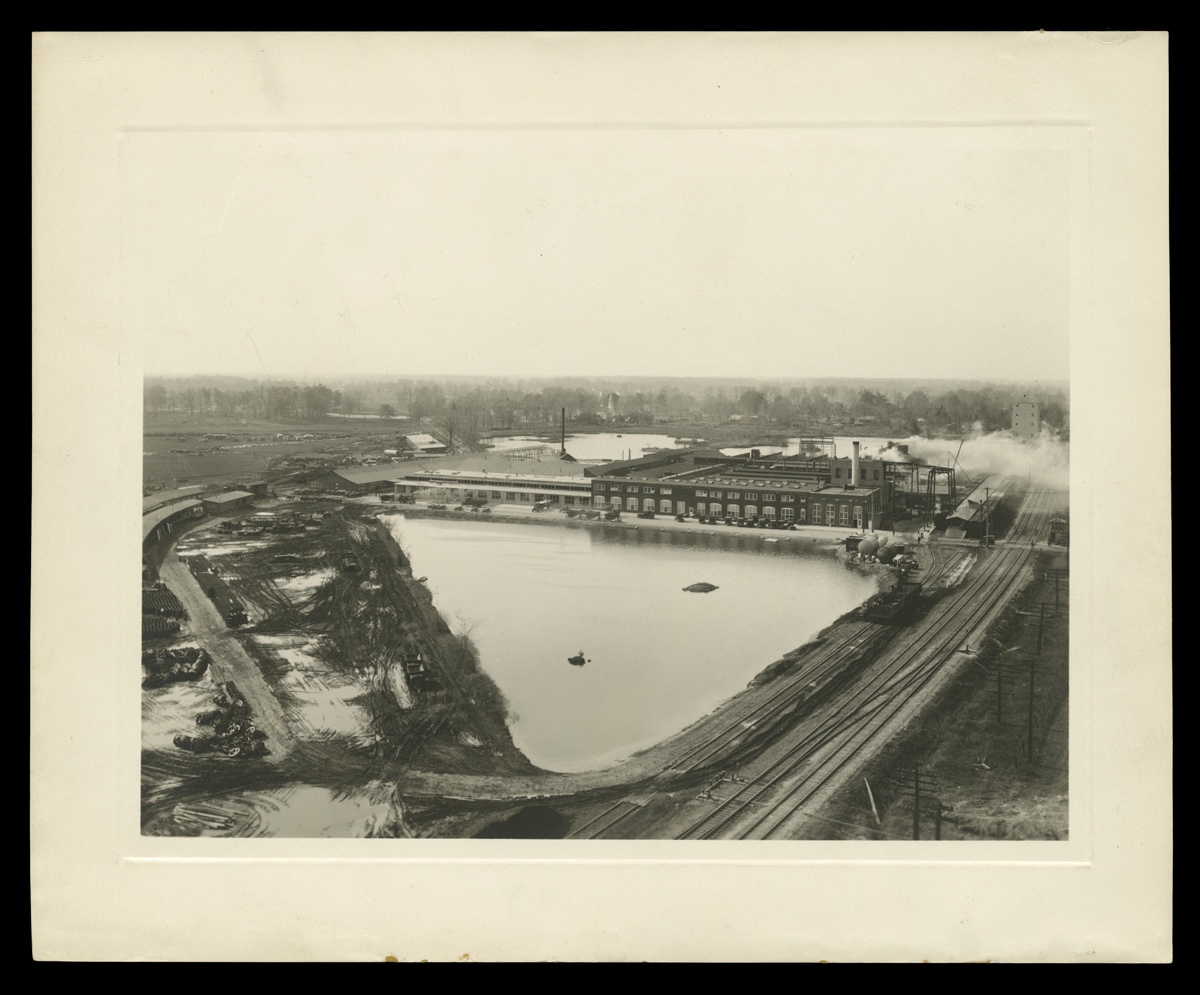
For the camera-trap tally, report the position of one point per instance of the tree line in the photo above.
(464, 411)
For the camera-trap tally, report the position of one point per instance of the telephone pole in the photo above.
(1032, 671)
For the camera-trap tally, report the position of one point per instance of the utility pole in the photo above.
(1041, 620)
(1056, 592)
(937, 820)
(1032, 670)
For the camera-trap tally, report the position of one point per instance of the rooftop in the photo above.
(229, 496)
(165, 497)
(370, 474)
(645, 462)
(846, 489)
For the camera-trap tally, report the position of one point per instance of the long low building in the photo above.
(496, 480)
(161, 522)
(361, 479)
(160, 499)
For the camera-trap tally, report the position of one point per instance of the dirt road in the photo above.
(230, 662)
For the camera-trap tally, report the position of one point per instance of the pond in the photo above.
(592, 446)
(658, 658)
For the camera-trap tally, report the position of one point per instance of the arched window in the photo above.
(665, 506)
(648, 504)
(631, 503)
(714, 510)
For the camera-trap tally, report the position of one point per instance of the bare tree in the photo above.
(450, 422)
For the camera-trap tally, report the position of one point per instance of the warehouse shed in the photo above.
(219, 504)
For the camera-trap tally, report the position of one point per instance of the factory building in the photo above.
(798, 491)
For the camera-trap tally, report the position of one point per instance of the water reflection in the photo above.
(660, 657)
(593, 446)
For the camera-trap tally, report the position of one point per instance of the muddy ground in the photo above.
(334, 614)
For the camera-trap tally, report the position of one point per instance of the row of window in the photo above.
(863, 474)
(512, 496)
(728, 495)
(633, 488)
(419, 482)
(833, 514)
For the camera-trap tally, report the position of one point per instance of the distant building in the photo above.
(360, 479)
(1027, 419)
(426, 444)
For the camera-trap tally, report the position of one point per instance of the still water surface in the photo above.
(592, 446)
(659, 657)
(611, 446)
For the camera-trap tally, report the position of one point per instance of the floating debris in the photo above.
(701, 588)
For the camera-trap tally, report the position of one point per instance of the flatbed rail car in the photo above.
(895, 606)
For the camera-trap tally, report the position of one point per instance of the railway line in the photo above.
(768, 803)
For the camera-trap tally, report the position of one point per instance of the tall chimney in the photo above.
(564, 432)
(854, 466)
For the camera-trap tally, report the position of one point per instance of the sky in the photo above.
(587, 252)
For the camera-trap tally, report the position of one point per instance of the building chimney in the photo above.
(854, 466)
(564, 432)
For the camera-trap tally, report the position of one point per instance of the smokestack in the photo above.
(563, 452)
(854, 466)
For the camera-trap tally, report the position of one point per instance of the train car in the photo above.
(897, 605)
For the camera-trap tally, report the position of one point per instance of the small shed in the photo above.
(220, 504)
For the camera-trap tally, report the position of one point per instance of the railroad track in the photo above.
(765, 805)
(741, 722)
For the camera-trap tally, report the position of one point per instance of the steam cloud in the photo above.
(1045, 462)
